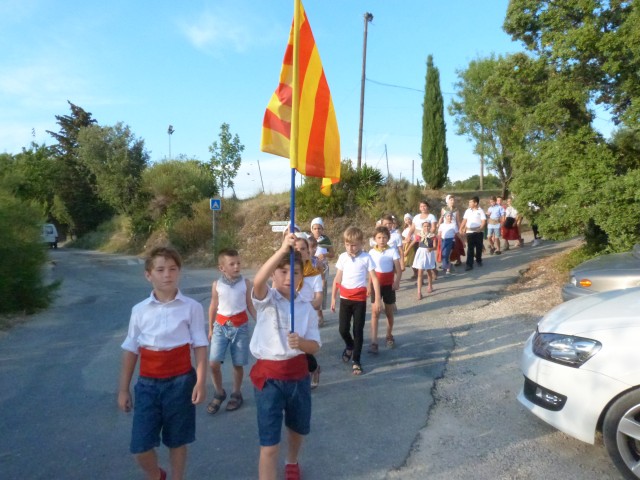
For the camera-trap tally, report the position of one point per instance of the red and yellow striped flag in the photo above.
(300, 121)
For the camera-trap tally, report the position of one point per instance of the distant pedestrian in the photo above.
(425, 259)
(229, 328)
(310, 290)
(354, 268)
(495, 213)
(447, 232)
(511, 225)
(163, 330)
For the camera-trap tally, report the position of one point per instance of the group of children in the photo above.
(166, 327)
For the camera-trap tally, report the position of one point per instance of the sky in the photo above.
(197, 64)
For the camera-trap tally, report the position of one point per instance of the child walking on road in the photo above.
(388, 270)
(354, 269)
(281, 373)
(229, 328)
(163, 330)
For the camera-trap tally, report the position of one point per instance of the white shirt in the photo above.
(269, 339)
(384, 261)
(474, 218)
(447, 230)
(417, 221)
(310, 286)
(232, 299)
(355, 271)
(395, 240)
(164, 326)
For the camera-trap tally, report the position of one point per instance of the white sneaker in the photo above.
(535, 243)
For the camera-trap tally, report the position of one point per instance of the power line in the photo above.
(402, 87)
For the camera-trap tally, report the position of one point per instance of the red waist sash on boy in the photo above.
(295, 368)
(236, 319)
(385, 278)
(165, 363)
(358, 294)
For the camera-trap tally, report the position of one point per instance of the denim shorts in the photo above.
(163, 405)
(493, 230)
(290, 399)
(234, 338)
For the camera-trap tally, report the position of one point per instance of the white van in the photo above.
(50, 235)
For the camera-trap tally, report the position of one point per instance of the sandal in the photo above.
(215, 404)
(315, 378)
(373, 348)
(235, 402)
(346, 355)
(391, 341)
(356, 369)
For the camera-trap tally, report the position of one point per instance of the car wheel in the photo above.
(621, 434)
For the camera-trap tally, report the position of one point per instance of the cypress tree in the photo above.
(435, 160)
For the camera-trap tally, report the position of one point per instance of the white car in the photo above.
(582, 372)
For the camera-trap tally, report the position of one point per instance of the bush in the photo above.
(22, 258)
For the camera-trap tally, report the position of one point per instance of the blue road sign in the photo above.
(215, 204)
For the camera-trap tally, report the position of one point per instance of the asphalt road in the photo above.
(59, 372)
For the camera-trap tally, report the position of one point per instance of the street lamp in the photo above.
(170, 131)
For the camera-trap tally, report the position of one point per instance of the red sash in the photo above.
(165, 363)
(295, 368)
(385, 278)
(237, 319)
(357, 294)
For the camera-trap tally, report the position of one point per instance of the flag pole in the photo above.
(292, 293)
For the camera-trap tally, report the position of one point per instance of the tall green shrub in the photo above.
(22, 258)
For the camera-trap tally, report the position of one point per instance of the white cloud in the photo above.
(229, 28)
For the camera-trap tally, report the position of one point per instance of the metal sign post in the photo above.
(216, 205)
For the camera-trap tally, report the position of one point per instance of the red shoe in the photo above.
(163, 474)
(292, 471)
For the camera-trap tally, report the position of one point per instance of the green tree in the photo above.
(596, 43)
(226, 158)
(116, 159)
(435, 160)
(76, 185)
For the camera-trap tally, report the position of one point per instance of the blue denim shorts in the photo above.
(493, 230)
(163, 405)
(234, 338)
(283, 398)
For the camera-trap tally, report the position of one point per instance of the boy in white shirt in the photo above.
(281, 374)
(354, 269)
(388, 271)
(229, 328)
(473, 224)
(162, 331)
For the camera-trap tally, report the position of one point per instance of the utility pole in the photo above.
(368, 17)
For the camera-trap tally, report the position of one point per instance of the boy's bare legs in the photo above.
(419, 283)
(388, 310)
(216, 376)
(238, 374)
(294, 445)
(178, 458)
(375, 316)
(268, 464)
(148, 461)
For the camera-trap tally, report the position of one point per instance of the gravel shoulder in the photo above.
(476, 428)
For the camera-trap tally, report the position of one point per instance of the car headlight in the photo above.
(565, 349)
